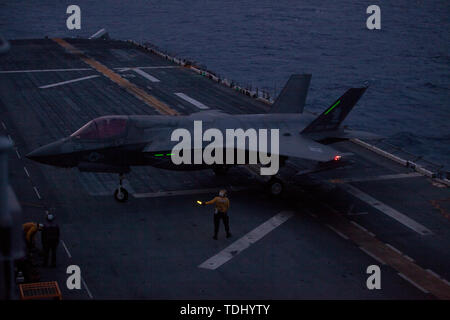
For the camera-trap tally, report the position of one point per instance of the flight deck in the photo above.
(316, 241)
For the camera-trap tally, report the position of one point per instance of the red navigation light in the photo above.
(337, 158)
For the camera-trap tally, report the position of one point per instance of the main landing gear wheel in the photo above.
(121, 194)
(276, 187)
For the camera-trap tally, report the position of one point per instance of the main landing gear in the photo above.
(121, 194)
(221, 170)
(275, 186)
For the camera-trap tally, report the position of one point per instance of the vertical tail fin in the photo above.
(293, 96)
(331, 118)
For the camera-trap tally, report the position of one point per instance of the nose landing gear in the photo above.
(121, 194)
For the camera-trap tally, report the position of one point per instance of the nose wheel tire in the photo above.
(276, 187)
(121, 194)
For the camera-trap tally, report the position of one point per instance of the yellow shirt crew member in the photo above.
(222, 204)
(30, 229)
(221, 212)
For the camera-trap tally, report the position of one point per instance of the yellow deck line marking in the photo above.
(387, 210)
(392, 257)
(161, 107)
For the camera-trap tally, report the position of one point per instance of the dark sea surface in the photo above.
(259, 43)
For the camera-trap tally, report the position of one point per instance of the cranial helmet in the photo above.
(50, 216)
(223, 193)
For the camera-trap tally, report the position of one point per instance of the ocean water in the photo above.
(259, 43)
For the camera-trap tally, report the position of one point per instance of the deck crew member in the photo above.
(29, 231)
(50, 239)
(222, 204)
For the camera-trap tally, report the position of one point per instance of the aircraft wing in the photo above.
(304, 148)
(159, 145)
(297, 146)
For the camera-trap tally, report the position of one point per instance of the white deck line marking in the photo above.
(122, 69)
(399, 252)
(84, 282)
(157, 67)
(391, 212)
(37, 193)
(87, 289)
(437, 276)
(373, 256)
(412, 282)
(65, 248)
(380, 177)
(196, 103)
(18, 154)
(44, 70)
(182, 192)
(68, 81)
(357, 213)
(4, 126)
(145, 75)
(359, 226)
(338, 232)
(26, 171)
(246, 241)
(393, 248)
(434, 274)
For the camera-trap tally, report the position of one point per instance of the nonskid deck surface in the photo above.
(316, 242)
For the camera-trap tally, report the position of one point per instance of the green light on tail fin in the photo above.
(339, 101)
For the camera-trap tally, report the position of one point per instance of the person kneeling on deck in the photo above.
(29, 232)
(221, 212)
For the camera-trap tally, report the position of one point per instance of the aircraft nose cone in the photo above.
(48, 154)
(35, 155)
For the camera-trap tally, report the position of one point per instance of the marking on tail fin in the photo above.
(326, 112)
(332, 118)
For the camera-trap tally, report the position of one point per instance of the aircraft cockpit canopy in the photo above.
(102, 128)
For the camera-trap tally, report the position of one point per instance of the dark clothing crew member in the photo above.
(50, 240)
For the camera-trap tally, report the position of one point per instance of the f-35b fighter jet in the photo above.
(117, 142)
